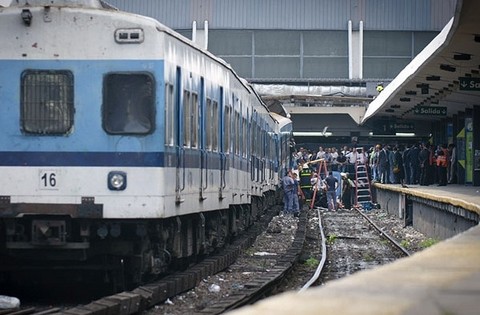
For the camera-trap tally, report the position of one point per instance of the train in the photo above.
(125, 148)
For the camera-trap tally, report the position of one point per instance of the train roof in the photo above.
(284, 123)
(97, 4)
(103, 5)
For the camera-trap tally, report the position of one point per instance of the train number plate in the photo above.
(49, 179)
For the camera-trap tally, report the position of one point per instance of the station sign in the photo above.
(431, 111)
(402, 126)
(469, 84)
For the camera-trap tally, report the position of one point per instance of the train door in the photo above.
(222, 149)
(262, 151)
(235, 136)
(202, 147)
(254, 135)
(179, 148)
(254, 146)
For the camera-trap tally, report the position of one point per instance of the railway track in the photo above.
(149, 295)
(352, 242)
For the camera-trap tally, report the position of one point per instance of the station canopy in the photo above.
(443, 79)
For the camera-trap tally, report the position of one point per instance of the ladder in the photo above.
(363, 194)
(322, 174)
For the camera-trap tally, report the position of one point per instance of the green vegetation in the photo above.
(428, 242)
(331, 239)
(385, 242)
(368, 257)
(405, 244)
(312, 262)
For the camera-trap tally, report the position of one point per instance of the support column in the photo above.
(476, 145)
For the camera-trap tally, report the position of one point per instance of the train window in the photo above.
(237, 133)
(244, 137)
(128, 103)
(208, 124)
(258, 140)
(255, 136)
(169, 114)
(186, 118)
(214, 126)
(47, 102)
(194, 120)
(226, 132)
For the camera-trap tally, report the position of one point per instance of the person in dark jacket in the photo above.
(383, 165)
(398, 169)
(414, 164)
(423, 158)
(406, 164)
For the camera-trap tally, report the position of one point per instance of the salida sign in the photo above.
(469, 84)
(427, 110)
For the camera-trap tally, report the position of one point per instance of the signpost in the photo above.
(431, 111)
(469, 84)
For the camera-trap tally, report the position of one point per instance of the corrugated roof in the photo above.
(419, 15)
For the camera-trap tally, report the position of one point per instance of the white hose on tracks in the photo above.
(324, 257)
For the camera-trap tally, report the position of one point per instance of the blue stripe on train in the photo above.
(144, 159)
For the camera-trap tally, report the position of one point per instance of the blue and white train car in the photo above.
(121, 142)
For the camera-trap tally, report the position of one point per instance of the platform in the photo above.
(467, 197)
(442, 279)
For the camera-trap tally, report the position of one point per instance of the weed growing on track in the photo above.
(428, 242)
(331, 239)
(312, 262)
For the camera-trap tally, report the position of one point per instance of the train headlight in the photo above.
(117, 180)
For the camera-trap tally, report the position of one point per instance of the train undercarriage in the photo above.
(123, 253)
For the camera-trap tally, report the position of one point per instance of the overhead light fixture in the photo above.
(405, 99)
(448, 68)
(390, 110)
(433, 78)
(395, 106)
(312, 134)
(462, 57)
(411, 92)
(405, 134)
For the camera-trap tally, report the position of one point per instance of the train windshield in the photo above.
(129, 103)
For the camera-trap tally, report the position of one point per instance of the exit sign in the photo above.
(469, 84)
(429, 110)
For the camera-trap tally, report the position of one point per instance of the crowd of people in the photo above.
(415, 164)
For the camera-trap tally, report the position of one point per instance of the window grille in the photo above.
(47, 102)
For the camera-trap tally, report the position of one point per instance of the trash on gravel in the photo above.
(169, 302)
(237, 286)
(214, 288)
(264, 254)
(7, 302)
